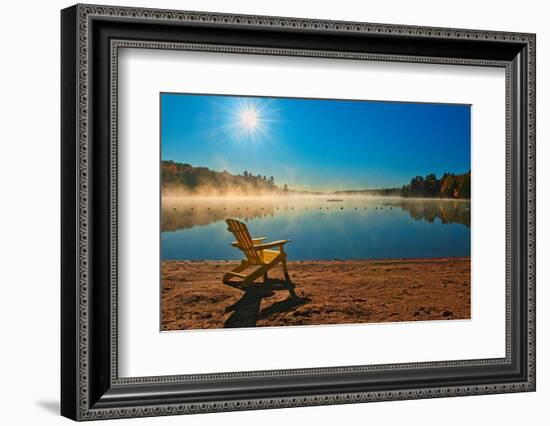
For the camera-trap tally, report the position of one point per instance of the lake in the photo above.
(320, 227)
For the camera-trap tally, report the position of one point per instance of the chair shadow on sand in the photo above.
(246, 311)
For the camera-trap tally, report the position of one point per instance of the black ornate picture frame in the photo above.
(90, 38)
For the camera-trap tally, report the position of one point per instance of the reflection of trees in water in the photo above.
(446, 210)
(187, 214)
(185, 217)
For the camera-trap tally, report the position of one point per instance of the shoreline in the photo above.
(385, 259)
(329, 292)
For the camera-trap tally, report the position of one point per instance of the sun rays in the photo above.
(246, 123)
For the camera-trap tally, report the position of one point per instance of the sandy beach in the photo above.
(329, 292)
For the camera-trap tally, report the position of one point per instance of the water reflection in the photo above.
(344, 228)
(447, 211)
(186, 213)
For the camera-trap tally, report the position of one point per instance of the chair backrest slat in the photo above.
(240, 231)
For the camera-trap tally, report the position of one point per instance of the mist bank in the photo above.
(184, 180)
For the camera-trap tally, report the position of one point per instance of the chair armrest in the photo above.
(254, 241)
(272, 244)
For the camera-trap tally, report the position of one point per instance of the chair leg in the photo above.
(265, 276)
(291, 285)
(285, 270)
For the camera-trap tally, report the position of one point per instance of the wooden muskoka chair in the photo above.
(257, 254)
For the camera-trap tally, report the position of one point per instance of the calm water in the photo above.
(351, 228)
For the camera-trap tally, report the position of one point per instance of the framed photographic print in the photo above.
(342, 215)
(263, 212)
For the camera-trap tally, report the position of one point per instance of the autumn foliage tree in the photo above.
(449, 186)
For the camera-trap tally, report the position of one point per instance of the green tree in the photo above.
(464, 188)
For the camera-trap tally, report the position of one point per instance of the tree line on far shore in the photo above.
(178, 178)
(448, 186)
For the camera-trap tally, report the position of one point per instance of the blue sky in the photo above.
(316, 144)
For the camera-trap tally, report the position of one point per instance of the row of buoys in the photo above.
(292, 208)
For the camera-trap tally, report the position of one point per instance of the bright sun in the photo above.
(249, 119)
